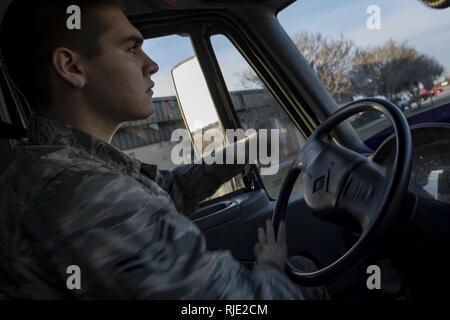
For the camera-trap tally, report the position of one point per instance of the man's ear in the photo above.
(68, 65)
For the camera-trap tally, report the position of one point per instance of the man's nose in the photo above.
(150, 67)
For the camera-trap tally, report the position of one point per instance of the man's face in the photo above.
(118, 78)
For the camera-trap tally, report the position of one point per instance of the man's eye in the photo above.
(134, 48)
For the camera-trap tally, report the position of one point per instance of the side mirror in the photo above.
(195, 101)
(199, 112)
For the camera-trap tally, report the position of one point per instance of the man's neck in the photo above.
(92, 124)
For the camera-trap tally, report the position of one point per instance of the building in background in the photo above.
(149, 140)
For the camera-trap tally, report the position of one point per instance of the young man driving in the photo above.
(71, 198)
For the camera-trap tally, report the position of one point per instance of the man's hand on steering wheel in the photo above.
(272, 249)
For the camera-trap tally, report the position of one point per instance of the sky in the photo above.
(426, 29)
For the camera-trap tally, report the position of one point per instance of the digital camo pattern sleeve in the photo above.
(190, 184)
(130, 243)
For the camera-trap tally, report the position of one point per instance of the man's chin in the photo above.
(150, 110)
(145, 112)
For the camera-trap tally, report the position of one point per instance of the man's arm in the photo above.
(130, 243)
(190, 184)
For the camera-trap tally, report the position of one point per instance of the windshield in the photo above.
(396, 50)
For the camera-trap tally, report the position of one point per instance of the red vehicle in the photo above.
(424, 94)
(436, 90)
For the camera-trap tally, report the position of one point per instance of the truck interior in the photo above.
(361, 201)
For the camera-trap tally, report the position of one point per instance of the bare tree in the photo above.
(250, 80)
(330, 58)
(348, 71)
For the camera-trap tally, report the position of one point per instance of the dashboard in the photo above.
(430, 174)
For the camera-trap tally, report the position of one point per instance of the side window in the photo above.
(150, 140)
(257, 109)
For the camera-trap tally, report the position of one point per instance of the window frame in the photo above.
(194, 28)
(216, 30)
(201, 27)
(267, 47)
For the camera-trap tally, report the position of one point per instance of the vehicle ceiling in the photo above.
(138, 7)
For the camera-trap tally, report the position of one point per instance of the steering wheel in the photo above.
(342, 186)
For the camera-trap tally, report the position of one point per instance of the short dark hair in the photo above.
(32, 29)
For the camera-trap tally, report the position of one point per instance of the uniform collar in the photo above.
(46, 131)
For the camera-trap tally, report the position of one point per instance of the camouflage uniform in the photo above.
(71, 199)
